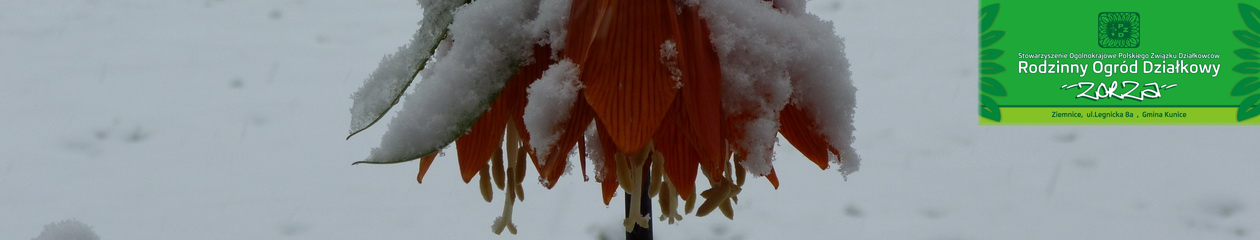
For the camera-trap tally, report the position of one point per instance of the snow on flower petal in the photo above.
(595, 151)
(753, 44)
(548, 104)
(550, 27)
(825, 87)
(772, 56)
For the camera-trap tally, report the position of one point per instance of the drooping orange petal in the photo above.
(525, 76)
(773, 178)
(609, 186)
(673, 142)
(688, 135)
(733, 131)
(609, 183)
(799, 128)
(702, 88)
(582, 158)
(486, 135)
(580, 116)
(481, 141)
(617, 46)
(424, 166)
(584, 17)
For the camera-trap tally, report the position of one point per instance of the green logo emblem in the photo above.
(1119, 30)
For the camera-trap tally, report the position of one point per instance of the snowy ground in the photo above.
(226, 119)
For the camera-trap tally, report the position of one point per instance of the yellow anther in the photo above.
(658, 173)
(486, 190)
(497, 172)
(623, 172)
(519, 171)
(726, 210)
(691, 203)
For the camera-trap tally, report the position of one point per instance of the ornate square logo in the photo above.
(1119, 29)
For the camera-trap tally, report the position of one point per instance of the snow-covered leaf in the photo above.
(489, 41)
(386, 84)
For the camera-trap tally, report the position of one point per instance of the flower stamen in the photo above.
(487, 191)
(497, 171)
(636, 188)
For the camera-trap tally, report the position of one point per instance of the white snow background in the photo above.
(225, 119)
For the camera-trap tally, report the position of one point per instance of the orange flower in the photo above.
(651, 94)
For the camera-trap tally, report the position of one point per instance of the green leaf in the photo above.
(386, 85)
(992, 37)
(990, 54)
(988, 14)
(1247, 68)
(989, 108)
(1249, 15)
(1247, 53)
(992, 87)
(1247, 38)
(1247, 109)
(1245, 86)
(991, 68)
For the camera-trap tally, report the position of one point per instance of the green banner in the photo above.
(1077, 62)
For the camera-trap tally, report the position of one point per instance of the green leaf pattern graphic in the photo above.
(993, 87)
(988, 67)
(1248, 85)
(1247, 54)
(990, 38)
(1247, 68)
(987, 15)
(991, 54)
(1248, 109)
(1248, 38)
(1249, 16)
(991, 68)
(989, 108)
